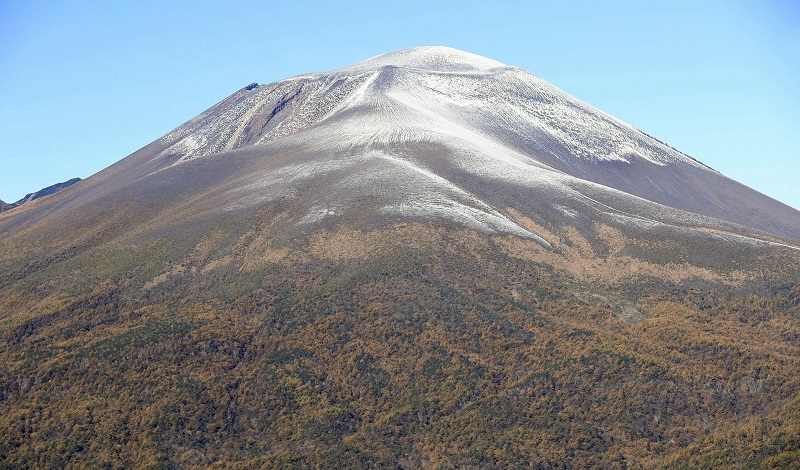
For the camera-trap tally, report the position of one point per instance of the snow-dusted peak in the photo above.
(433, 58)
(417, 125)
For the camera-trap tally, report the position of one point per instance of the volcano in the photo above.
(428, 258)
(430, 133)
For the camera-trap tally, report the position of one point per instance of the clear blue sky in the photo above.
(82, 84)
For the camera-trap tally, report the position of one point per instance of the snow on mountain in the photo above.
(441, 134)
(487, 120)
(423, 91)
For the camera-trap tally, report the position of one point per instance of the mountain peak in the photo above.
(436, 58)
(431, 128)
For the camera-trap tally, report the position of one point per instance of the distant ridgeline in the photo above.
(38, 194)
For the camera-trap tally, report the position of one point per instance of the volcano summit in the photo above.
(428, 258)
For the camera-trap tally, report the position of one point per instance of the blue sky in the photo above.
(83, 84)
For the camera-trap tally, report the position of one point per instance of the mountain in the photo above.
(46, 191)
(425, 259)
(433, 133)
(39, 194)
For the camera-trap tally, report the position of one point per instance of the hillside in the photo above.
(427, 259)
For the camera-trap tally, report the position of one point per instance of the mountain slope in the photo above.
(427, 259)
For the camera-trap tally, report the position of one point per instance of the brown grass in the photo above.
(574, 253)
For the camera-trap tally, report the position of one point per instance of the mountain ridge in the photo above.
(46, 191)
